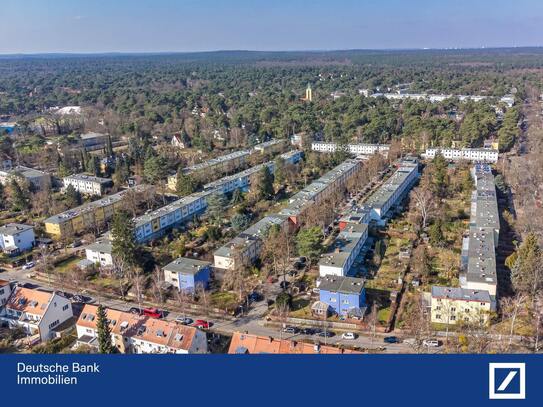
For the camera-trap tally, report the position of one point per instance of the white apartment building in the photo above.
(100, 252)
(16, 238)
(356, 149)
(37, 312)
(486, 155)
(87, 184)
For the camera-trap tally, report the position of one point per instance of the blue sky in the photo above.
(30, 26)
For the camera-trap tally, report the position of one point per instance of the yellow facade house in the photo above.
(453, 305)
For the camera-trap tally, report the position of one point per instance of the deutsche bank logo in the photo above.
(507, 381)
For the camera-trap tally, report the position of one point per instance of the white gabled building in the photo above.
(487, 155)
(16, 238)
(37, 312)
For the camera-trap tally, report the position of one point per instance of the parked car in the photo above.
(135, 310)
(153, 313)
(308, 331)
(349, 336)
(29, 265)
(325, 334)
(82, 299)
(184, 320)
(202, 324)
(391, 339)
(431, 343)
(74, 244)
(290, 330)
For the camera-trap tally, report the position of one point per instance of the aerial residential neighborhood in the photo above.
(347, 202)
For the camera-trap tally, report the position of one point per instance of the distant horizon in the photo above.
(309, 50)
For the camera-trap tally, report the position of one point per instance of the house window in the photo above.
(453, 309)
(438, 308)
(332, 299)
(438, 316)
(453, 317)
(65, 307)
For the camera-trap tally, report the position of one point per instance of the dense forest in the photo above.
(230, 99)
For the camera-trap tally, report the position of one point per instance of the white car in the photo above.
(348, 335)
(431, 343)
(29, 265)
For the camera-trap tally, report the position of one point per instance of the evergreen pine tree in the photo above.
(122, 233)
(104, 331)
(185, 185)
(265, 184)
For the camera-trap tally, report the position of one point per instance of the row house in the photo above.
(473, 301)
(131, 333)
(156, 223)
(244, 343)
(246, 246)
(86, 217)
(487, 155)
(393, 190)
(356, 149)
(344, 251)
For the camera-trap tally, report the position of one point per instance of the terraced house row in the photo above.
(354, 225)
(86, 217)
(356, 149)
(132, 333)
(476, 297)
(158, 222)
(214, 167)
(245, 248)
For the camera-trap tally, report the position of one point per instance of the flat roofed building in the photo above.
(88, 184)
(246, 246)
(469, 154)
(38, 179)
(393, 190)
(356, 149)
(453, 305)
(344, 251)
(16, 238)
(480, 273)
(131, 333)
(272, 146)
(86, 217)
(187, 274)
(93, 139)
(243, 343)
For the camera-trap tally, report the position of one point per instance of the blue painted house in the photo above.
(345, 295)
(187, 274)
